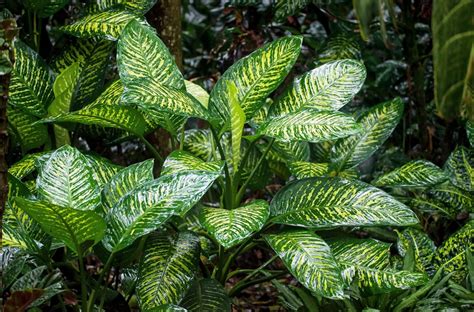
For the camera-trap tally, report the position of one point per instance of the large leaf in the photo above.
(206, 295)
(256, 76)
(303, 169)
(44, 8)
(378, 123)
(152, 204)
(310, 261)
(63, 88)
(310, 125)
(332, 202)
(422, 246)
(365, 262)
(108, 24)
(25, 166)
(452, 253)
(455, 198)
(139, 6)
(24, 128)
(93, 56)
(197, 92)
(237, 122)
(339, 46)
(66, 179)
(102, 168)
(230, 227)
(470, 132)
(71, 226)
(417, 173)
(31, 82)
(125, 181)
(167, 268)
(460, 167)
(328, 87)
(108, 116)
(453, 51)
(179, 161)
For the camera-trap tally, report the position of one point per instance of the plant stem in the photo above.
(181, 141)
(228, 195)
(35, 32)
(260, 268)
(241, 192)
(105, 269)
(238, 174)
(152, 149)
(83, 281)
(241, 286)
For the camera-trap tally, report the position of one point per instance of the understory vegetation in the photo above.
(237, 155)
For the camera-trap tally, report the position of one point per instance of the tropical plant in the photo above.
(166, 232)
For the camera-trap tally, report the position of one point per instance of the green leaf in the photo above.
(285, 8)
(71, 226)
(255, 76)
(328, 87)
(332, 202)
(363, 252)
(309, 260)
(197, 92)
(453, 197)
(432, 205)
(63, 88)
(93, 56)
(102, 169)
(302, 169)
(107, 25)
(139, 6)
(310, 125)
(44, 8)
(416, 173)
(423, 247)
(470, 132)
(24, 128)
(339, 46)
(231, 227)
(452, 253)
(378, 123)
(108, 116)
(237, 122)
(181, 161)
(25, 166)
(31, 82)
(66, 179)
(167, 268)
(206, 295)
(125, 181)
(152, 204)
(453, 51)
(460, 167)
(166, 308)
(366, 11)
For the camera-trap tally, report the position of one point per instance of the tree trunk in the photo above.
(165, 16)
(7, 33)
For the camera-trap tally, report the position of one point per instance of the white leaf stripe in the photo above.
(206, 295)
(362, 252)
(309, 260)
(460, 167)
(310, 125)
(167, 268)
(302, 169)
(230, 227)
(66, 179)
(179, 161)
(331, 202)
(328, 87)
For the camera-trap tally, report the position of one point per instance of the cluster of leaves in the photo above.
(173, 239)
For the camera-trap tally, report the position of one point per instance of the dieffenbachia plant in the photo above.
(173, 239)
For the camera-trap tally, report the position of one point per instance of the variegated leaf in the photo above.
(339, 46)
(102, 169)
(460, 167)
(199, 143)
(25, 166)
(422, 246)
(310, 125)
(309, 259)
(416, 173)
(71, 226)
(31, 85)
(326, 88)
(377, 123)
(430, 205)
(455, 198)
(149, 206)
(167, 268)
(285, 8)
(255, 76)
(470, 132)
(166, 308)
(107, 24)
(109, 116)
(23, 127)
(332, 202)
(125, 181)
(44, 8)
(93, 56)
(66, 179)
(237, 123)
(180, 161)
(206, 295)
(231, 227)
(197, 92)
(139, 6)
(286, 152)
(366, 262)
(452, 253)
(302, 169)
